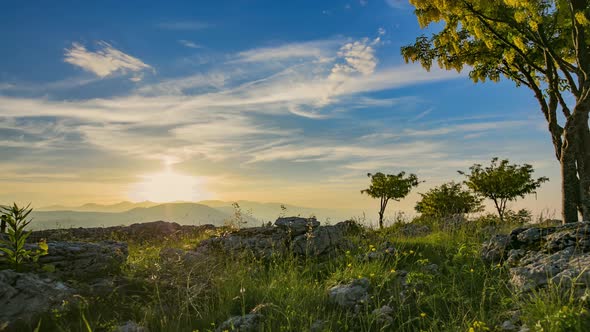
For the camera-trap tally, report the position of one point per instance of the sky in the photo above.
(271, 101)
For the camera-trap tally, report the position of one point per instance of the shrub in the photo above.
(13, 248)
(448, 200)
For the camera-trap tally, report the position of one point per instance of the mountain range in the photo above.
(186, 213)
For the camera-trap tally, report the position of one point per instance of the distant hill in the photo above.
(182, 213)
(204, 212)
(92, 207)
(271, 211)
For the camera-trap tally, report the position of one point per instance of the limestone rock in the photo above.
(350, 296)
(23, 296)
(246, 323)
(538, 256)
(83, 260)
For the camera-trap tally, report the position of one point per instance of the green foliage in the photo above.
(447, 200)
(540, 44)
(502, 182)
(389, 187)
(13, 248)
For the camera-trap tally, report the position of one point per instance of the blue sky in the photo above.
(259, 100)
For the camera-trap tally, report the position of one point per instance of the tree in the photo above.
(389, 187)
(540, 44)
(502, 182)
(447, 200)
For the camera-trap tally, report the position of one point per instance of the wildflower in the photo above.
(348, 252)
(472, 270)
(372, 275)
(411, 252)
(349, 265)
(422, 314)
(373, 249)
(392, 271)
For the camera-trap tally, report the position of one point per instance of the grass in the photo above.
(464, 295)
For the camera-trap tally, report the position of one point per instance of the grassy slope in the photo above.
(292, 294)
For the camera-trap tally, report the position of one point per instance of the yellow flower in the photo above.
(372, 275)
(411, 252)
(422, 314)
(348, 252)
(471, 270)
(392, 271)
(373, 249)
(349, 264)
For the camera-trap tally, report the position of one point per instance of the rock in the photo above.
(131, 326)
(297, 225)
(508, 325)
(494, 249)
(538, 256)
(383, 314)
(266, 241)
(413, 230)
(322, 241)
(82, 260)
(149, 231)
(246, 323)
(350, 296)
(431, 268)
(23, 296)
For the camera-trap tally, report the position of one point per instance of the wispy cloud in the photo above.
(398, 4)
(105, 61)
(184, 25)
(189, 44)
(321, 50)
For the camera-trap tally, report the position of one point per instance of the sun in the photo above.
(168, 186)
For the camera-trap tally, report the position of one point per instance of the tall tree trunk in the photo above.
(381, 219)
(570, 183)
(583, 161)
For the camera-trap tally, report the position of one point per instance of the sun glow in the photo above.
(168, 186)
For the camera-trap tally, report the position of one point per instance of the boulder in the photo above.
(350, 296)
(81, 260)
(24, 296)
(538, 256)
(247, 323)
(289, 235)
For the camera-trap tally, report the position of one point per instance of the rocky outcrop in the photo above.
(24, 296)
(350, 296)
(148, 231)
(537, 256)
(301, 236)
(81, 260)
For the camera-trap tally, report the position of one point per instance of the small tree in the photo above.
(502, 182)
(389, 186)
(447, 200)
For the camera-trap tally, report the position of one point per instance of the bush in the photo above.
(448, 200)
(13, 248)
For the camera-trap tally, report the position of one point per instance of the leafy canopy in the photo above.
(502, 182)
(447, 200)
(390, 186)
(541, 44)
